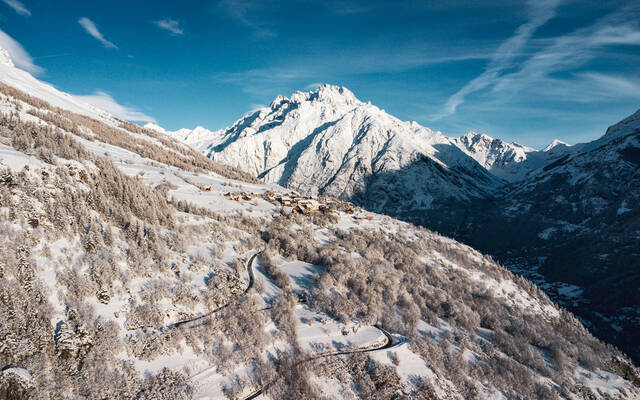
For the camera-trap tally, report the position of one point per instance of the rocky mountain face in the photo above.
(565, 215)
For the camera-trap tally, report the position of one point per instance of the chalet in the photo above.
(309, 206)
(326, 209)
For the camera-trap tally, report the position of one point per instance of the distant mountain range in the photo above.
(509, 161)
(331, 128)
(566, 216)
(327, 142)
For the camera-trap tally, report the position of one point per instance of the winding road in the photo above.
(249, 286)
(386, 345)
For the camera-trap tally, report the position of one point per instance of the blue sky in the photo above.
(528, 71)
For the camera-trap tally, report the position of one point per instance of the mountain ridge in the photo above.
(506, 161)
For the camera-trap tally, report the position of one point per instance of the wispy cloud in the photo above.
(613, 85)
(313, 86)
(18, 7)
(555, 70)
(573, 50)
(263, 81)
(170, 25)
(18, 54)
(402, 58)
(297, 72)
(92, 30)
(540, 13)
(255, 107)
(105, 102)
(581, 88)
(350, 7)
(239, 10)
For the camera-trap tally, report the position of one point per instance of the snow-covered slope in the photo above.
(24, 81)
(129, 271)
(330, 143)
(509, 161)
(5, 58)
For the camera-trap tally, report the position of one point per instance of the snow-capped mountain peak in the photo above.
(509, 161)
(474, 137)
(189, 136)
(277, 101)
(328, 142)
(555, 143)
(154, 127)
(334, 94)
(327, 94)
(497, 156)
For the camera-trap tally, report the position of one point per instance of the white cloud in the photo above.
(541, 12)
(19, 55)
(18, 7)
(170, 25)
(105, 102)
(547, 74)
(92, 30)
